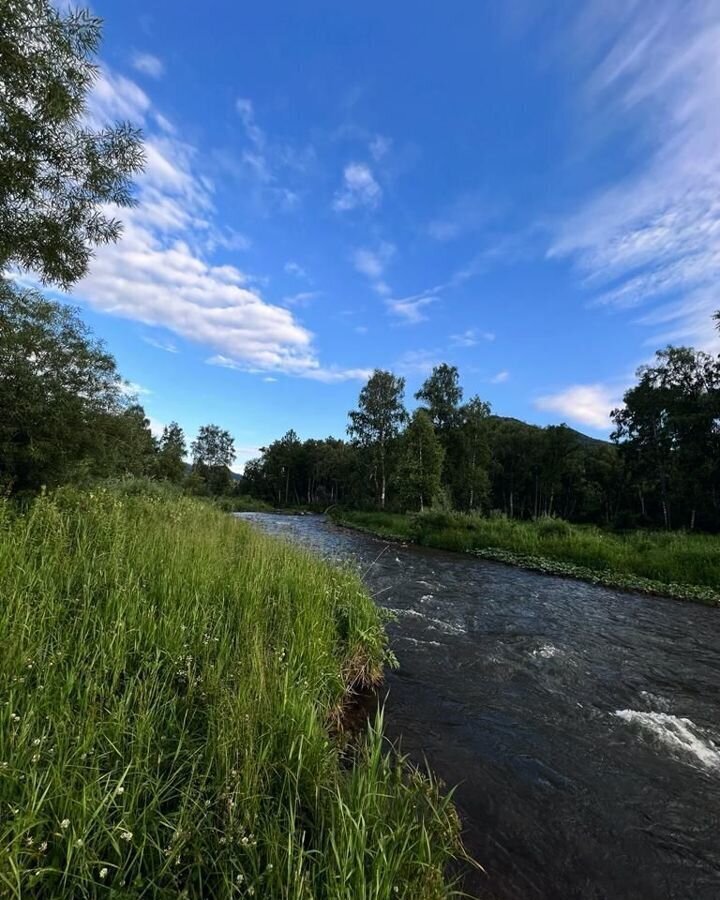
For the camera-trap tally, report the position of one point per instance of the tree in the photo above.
(171, 453)
(474, 456)
(669, 430)
(134, 443)
(377, 421)
(442, 393)
(421, 461)
(213, 452)
(57, 174)
(60, 393)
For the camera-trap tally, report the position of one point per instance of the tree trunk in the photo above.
(382, 481)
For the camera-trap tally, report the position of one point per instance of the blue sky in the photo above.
(526, 190)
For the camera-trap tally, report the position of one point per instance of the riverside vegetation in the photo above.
(674, 564)
(170, 682)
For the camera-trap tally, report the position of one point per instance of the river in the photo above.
(581, 725)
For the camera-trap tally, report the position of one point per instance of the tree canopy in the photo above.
(58, 173)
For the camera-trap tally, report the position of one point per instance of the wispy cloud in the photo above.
(373, 263)
(148, 65)
(379, 147)
(500, 377)
(411, 310)
(471, 337)
(293, 268)
(583, 404)
(162, 274)
(359, 189)
(304, 298)
(653, 237)
(418, 362)
(270, 167)
(329, 375)
(166, 346)
(133, 389)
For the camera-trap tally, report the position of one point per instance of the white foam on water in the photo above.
(656, 700)
(419, 643)
(447, 627)
(426, 597)
(676, 733)
(547, 651)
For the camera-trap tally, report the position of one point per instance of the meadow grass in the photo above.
(170, 684)
(675, 563)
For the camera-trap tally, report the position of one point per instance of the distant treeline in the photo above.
(661, 469)
(67, 416)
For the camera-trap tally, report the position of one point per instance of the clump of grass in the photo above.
(678, 564)
(167, 679)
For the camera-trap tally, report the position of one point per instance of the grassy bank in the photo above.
(169, 680)
(674, 564)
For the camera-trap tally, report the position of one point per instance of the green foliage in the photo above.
(420, 462)
(670, 431)
(60, 394)
(170, 463)
(57, 174)
(377, 421)
(676, 564)
(169, 681)
(213, 452)
(442, 393)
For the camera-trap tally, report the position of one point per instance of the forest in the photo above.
(660, 469)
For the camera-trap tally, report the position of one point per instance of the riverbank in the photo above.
(171, 681)
(669, 564)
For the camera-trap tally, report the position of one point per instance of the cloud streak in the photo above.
(652, 239)
(160, 273)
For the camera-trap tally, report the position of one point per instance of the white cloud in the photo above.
(653, 237)
(471, 337)
(148, 65)
(418, 362)
(247, 113)
(500, 377)
(584, 404)
(156, 426)
(115, 97)
(380, 146)
(132, 389)
(359, 189)
(372, 263)
(159, 274)
(410, 309)
(304, 298)
(166, 346)
(293, 268)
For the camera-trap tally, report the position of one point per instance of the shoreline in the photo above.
(547, 566)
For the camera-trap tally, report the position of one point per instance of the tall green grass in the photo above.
(670, 562)
(169, 680)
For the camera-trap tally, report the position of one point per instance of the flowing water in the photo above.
(581, 725)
